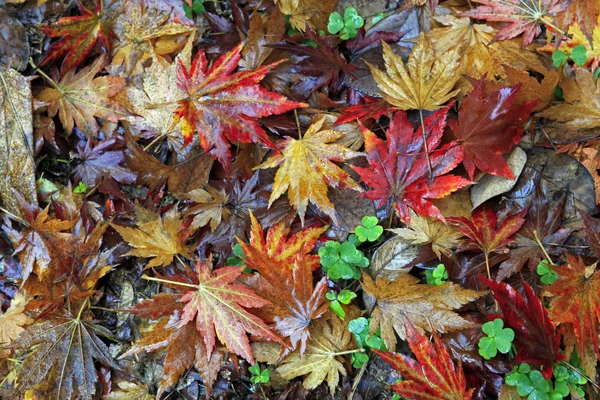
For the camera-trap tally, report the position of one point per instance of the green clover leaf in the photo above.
(547, 274)
(559, 58)
(369, 230)
(336, 23)
(499, 339)
(346, 296)
(579, 55)
(438, 276)
(81, 188)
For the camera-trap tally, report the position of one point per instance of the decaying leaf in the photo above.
(13, 321)
(80, 97)
(322, 359)
(154, 237)
(210, 207)
(129, 391)
(428, 307)
(17, 164)
(306, 169)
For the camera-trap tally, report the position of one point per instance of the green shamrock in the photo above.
(437, 276)
(498, 339)
(197, 8)
(369, 230)
(344, 297)
(579, 55)
(81, 188)
(347, 26)
(341, 260)
(547, 274)
(259, 376)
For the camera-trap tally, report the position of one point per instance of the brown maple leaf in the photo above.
(80, 97)
(428, 307)
(13, 320)
(210, 207)
(154, 237)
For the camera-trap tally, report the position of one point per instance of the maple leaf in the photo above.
(524, 16)
(313, 13)
(577, 111)
(576, 300)
(432, 376)
(210, 208)
(537, 239)
(61, 351)
(484, 232)
(489, 126)
(285, 278)
(97, 161)
(399, 169)
(13, 320)
(222, 105)
(473, 40)
(137, 26)
(592, 232)
(215, 305)
(129, 391)
(536, 339)
(424, 230)
(425, 83)
(78, 36)
(372, 108)
(582, 12)
(282, 248)
(80, 97)
(183, 346)
(189, 174)
(260, 35)
(306, 169)
(44, 247)
(154, 237)
(322, 360)
(427, 307)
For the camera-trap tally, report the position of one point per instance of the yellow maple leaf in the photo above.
(307, 169)
(13, 320)
(428, 307)
(155, 238)
(580, 110)
(210, 207)
(424, 230)
(322, 360)
(426, 82)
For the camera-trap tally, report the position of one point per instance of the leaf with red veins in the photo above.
(576, 300)
(524, 16)
(78, 37)
(489, 126)
(484, 232)
(371, 109)
(398, 167)
(432, 375)
(536, 338)
(223, 106)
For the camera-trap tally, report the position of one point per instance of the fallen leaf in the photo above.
(432, 376)
(80, 97)
(78, 36)
(582, 12)
(210, 207)
(129, 391)
(398, 173)
(17, 163)
(524, 16)
(424, 230)
(154, 237)
(592, 232)
(575, 299)
(97, 161)
(222, 106)
(261, 34)
(536, 339)
(13, 321)
(322, 359)
(306, 169)
(424, 83)
(61, 350)
(393, 257)
(489, 126)
(428, 307)
(313, 13)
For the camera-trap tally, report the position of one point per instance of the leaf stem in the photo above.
(425, 144)
(580, 372)
(150, 278)
(21, 220)
(487, 267)
(298, 124)
(44, 75)
(539, 243)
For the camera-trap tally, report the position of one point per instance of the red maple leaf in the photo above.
(536, 338)
(78, 36)
(224, 106)
(371, 108)
(577, 300)
(484, 232)
(524, 16)
(399, 170)
(489, 126)
(432, 376)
